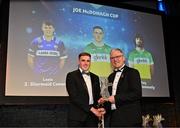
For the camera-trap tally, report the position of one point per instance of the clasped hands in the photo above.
(99, 112)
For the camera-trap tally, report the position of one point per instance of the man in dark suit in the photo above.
(83, 88)
(126, 93)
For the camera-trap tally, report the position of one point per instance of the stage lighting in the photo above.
(161, 6)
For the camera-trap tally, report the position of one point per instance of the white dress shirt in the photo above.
(87, 80)
(115, 83)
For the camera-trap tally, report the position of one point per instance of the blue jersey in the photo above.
(47, 55)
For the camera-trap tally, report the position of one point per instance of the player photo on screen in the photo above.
(45, 38)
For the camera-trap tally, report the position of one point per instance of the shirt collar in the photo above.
(120, 69)
(84, 72)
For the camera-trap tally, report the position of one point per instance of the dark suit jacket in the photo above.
(127, 99)
(79, 107)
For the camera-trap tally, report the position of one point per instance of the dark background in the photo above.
(52, 111)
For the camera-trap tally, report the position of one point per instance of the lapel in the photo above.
(83, 83)
(81, 80)
(112, 77)
(121, 77)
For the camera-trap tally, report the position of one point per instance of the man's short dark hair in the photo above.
(84, 54)
(98, 27)
(48, 23)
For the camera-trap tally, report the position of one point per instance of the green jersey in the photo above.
(141, 60)
(100, 59)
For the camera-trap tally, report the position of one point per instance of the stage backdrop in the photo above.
(72, 24)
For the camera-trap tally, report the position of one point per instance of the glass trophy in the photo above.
(105, 94)
(104, 88)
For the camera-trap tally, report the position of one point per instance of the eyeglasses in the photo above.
(116, 57)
